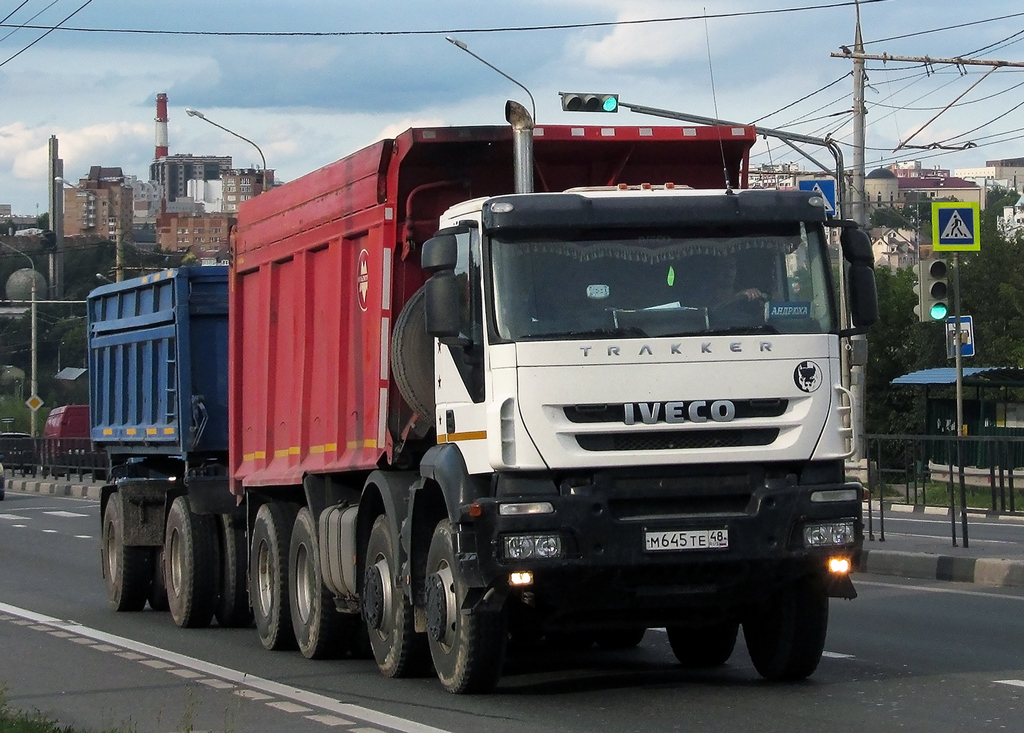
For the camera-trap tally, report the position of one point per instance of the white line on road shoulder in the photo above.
(926, 589)
(231, 675)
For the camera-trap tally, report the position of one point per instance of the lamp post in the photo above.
(196, 113)
(460, 44)
(34, 402)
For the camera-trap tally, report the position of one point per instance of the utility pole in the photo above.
(858, 356)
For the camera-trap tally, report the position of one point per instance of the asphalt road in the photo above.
(906, 655)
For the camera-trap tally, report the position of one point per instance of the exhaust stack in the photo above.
(522, 145)
(161, 126)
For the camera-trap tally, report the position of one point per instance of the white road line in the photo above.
(63, 513)
(837, 655)
(12, 516)
(243, 679)
(926, 589)
(934, 537)
(1015, 683)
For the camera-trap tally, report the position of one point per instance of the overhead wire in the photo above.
(50, 29)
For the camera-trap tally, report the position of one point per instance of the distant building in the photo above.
(199, 234)
(242, 184)
(1012, 220)
(173, 172)
(101, 204)
(885, 187)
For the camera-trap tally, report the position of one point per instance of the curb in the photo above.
(54, 488)
(993, 572)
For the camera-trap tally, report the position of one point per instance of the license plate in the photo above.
(688, 539)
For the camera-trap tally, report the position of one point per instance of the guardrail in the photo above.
(929, 470)
(28, 456)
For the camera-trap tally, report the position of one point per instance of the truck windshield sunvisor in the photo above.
(641, 283)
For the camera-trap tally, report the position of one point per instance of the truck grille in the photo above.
(678, 439)
(616, 414)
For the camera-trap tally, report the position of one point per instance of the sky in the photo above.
(308, 100)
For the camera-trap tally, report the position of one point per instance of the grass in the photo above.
(17, 721)
(936, 493)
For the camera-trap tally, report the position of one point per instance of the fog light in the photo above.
(522, 578)
(530, 507)
(532, 546)
(830, 534)
(839, 565)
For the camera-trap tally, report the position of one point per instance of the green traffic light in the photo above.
(610, 104)
(939, 311)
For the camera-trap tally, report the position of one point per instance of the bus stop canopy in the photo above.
(973, 377)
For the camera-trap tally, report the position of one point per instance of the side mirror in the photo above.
(863, 295)
(856, 245)
(440, 252)
(443, 314)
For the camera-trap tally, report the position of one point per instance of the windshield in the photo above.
(750, 279)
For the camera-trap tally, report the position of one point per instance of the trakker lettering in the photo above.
(675, 349)
(677, 412)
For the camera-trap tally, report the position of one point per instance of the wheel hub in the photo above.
(437, 608)
(373, 597)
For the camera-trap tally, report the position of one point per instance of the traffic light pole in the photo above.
(958, 353)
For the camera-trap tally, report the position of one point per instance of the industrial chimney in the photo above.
(161, 126)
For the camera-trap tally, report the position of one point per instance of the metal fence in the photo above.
(28, 456)
(943, 471)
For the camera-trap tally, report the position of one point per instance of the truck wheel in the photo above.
(785, 639)
(128, 571)
(317, 624)
(468, 650)
(190, 565)
(398, 649)
(412, 356)
(233, 610)
(619, 638)
(268, 574)
(703, 647)
(158, 588)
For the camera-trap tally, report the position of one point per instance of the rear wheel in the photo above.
(398, 649)
(233, 608)
(190, 565)
(785, 638)
(468, 649)
(703, 647)
(319, 628)
(128, 571)
(268, 574)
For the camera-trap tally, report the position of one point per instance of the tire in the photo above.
(397, 648)
(191, 565)
(785, 639)
(468, 650)
(268, 575)
(703, 647)
(412, 356)
(158, 588)
(128, 571)
(233, 610)
(619, 638)
(319, 628)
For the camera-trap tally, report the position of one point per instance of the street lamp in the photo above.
(196, 113)
(460, 44)
(35, 402)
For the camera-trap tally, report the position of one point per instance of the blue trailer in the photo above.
(172, 535)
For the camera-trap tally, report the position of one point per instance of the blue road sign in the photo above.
(826, 188)
(966, 336)
(955, 226)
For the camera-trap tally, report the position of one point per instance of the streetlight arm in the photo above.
(464, 47)
(204, 118)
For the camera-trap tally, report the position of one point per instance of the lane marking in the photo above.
(1014, 683)
(837, 655)
(255, 685)
(953, 591)
(12, 516)
(62, 513)
(934, 537)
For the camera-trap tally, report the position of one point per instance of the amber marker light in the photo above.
(521, 578)
(839, 565)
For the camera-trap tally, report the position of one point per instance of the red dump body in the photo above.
(323, 265)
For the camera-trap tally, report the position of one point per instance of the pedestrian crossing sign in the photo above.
(955, 226)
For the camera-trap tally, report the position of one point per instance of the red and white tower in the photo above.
(161, 126)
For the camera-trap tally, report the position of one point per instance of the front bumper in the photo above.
(605, 572)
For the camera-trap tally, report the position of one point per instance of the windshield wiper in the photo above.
(760, 328)
(626, 331)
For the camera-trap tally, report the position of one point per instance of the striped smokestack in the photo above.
(161, 126)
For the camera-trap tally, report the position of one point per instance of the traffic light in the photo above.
(586, 102)
(932, 291)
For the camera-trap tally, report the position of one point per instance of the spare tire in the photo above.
(412, 356)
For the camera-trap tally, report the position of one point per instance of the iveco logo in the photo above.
(677, 412)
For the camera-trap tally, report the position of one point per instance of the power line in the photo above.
(958, 26)
(504, 29)
(49, 30)
(798, 101)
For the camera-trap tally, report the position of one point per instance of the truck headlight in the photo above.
(830, 534)
(531, 546)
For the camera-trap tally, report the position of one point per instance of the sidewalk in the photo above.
(936, 558)
(66, 486)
